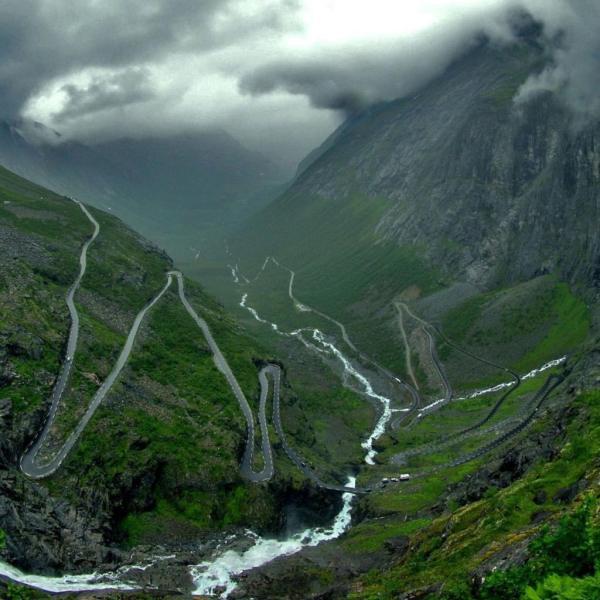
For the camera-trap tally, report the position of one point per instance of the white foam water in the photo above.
(253, 312)
(386, 403)
(349, 371)
(234, 274)
(217, 576)
(64, 583)
(501, 386)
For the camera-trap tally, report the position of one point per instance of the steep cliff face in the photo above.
(486, 190)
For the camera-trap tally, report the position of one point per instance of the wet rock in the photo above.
(324, 571)
(7, 372)
(381, 444)
(512, 555)
(44, 534)
(22, 343)
(541, 497)
(540, 516)
(421, 594)
(305, 504)
(568, 494)
(140, 443)
(398, 546)
(5, 408)
(93, 377)
(503, 471)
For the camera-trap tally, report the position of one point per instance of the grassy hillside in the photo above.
(453, 187)
(481, 221)
(171, 421)
(159, 461)
(444, 553)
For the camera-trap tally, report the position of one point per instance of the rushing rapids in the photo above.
(217, 576)
(211, 577)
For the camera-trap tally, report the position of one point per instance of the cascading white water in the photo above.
(497, 388)
(349, 371)
(65, 583)
(216, 576)
(386, 403)
(209, 576)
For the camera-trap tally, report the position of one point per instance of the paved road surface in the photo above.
(223, 366)
(275, 372)
(29, 461)
(65, 370)
(32, 468)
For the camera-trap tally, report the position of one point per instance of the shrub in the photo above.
(557, 587)
(557, 557)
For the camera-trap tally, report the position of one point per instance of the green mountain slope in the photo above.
(159, 463)
(523, 517)
(185, 191)
(458, 213)
(440, 199)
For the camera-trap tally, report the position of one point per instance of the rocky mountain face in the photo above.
(482, 524)
(481, 214)
(489, 191)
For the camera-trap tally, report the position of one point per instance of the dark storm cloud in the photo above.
(350, 80)
(40, 41)
(102, 93)
(326, 85)
(279, 74)
(366, 73)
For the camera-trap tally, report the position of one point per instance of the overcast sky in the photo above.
(279, 75)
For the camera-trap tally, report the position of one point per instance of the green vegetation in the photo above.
(342, 269)
(457, 416)
(164, 448)
(572, 549)
(570, 326)
(370, 537)
(186, 516)
(520, 327)
(556, 587)
(19, 592)
(475, 532)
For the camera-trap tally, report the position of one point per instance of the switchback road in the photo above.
(29, 461)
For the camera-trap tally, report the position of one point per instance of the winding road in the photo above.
(32, 467)
(29, 463)
(551, 383)
(407, 350)
(275, 372)
(432, 349)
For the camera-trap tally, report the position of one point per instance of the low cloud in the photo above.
(573, 32)
(356, 74)
(278, 74)
(106, 92)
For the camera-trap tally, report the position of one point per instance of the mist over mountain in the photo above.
(472, 180)
(177, 189)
